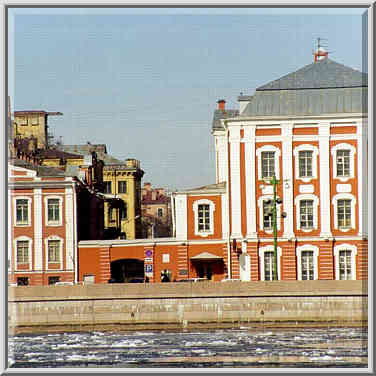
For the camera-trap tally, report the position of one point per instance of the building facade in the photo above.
(308, 131)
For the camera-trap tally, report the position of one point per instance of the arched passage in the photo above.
(124, 270)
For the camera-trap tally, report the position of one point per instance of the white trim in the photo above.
(250, 180)
(260, 205)
(345, 247)
(362, 177)
(15, 199)
(211, 223)
(28, 173)
(306, 196)
(307, 247)
(38, 230)
(343, 146)
(277, 154)
(69, 228)
(224, 213)
(344, 196)
(30, 251)
(60, 262)
(269, 248)
(53, 223)
(315, 152)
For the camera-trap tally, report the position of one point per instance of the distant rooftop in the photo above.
(41, 170)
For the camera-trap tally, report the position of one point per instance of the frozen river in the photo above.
(233, 348)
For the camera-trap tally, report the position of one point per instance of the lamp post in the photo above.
(273, 213)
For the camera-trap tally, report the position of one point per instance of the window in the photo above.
(345, 261)
(22, 251)
(307, 265)
(306, 214)
(305, 164)
(345, 271)
(53, 280)
(344, 213)
(107, 187)
(22, 211)
(22, 281)
(34, 120)
(124, 212)
(54, 251)
(268, 214)
(122, 187)
(53, 210)
(343, 163)
(160, 212)
(268, 266)
(203, 218)
(267, 164)
(111, 214)
(307, 262)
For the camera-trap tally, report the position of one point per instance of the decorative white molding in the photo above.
(267, 189)
(61, 244)
(59, 222)
(69, 228)
(324, 134)
(38, 229)
(225, 229)
(343, 146)
(211, 224)
(315, 152)
(30, 250)
(344, 196)
(362, 158)
(343, 188)
(345, 247)
(269, 248)
(235, 183)
(315, 250)
(309, 188)
(15, 199)
(181, 216)
(277, 154)
(315, 199)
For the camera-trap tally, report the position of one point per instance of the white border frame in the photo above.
(315, 199)
(30, 253)
(315, 153)
(211, 224)
(345, 247)
(53, 223)
(29, 201)
(344, 196)
(277, 155)
(333, 151)
(299, 250)
(60, 262)
(269, 248)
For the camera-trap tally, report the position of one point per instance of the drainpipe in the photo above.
(229, 266)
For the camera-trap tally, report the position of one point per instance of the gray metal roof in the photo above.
(41, 170)
(219, 114)
(322, 74)
(324, 87)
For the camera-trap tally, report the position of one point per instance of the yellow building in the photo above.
(28, 124)
(122, 181)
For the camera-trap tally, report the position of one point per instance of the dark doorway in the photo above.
(206, 269)
(125, 270)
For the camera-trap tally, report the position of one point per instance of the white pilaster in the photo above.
(10, 227)
(287, 180)
(250, 179)
(362, 176)
(224, 216)
(181, 216)
(221, 156)
(69, 229)
(324, 160)
(38, 235)
(235, 182)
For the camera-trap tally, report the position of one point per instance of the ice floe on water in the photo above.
(156, 348)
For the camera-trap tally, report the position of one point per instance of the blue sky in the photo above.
(145, 81)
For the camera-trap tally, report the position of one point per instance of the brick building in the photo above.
(309, 130)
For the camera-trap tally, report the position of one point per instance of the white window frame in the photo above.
(211, 217)
(352, 149)
(315, 152)
(60, 262)
(60, 221)
(30, 257)
(277, 154)
(315, 199)
(269, 248)
(28, 211)
(345, 247)
(260, 202)
(307, 247)
(344, 196)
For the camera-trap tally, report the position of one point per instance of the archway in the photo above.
(124, 270)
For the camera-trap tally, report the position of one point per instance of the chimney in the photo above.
(221, 104)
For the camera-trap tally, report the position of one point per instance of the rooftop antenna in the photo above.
(320, 52)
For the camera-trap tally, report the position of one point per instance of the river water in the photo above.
(241, 347)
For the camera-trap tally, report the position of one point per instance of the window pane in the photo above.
(107, 187)
(22, 251)
(122, 187)
(203, 217)
(344, 213)
(306, 214)
(345, 265)
(268, 265)
(307, 265)
(22, 211)
(53, 250)
(267, 164)
(268, 219)
(343, 163)
(305, 164)
(53, 210)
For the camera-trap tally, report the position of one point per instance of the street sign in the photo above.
(149, 268)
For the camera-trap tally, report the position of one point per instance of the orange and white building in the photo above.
(309, 129)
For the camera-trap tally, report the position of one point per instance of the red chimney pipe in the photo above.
(221, 104)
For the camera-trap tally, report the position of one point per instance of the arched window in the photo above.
(268, 162)
(306, 162)
(343, 156)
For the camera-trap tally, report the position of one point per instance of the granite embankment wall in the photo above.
(174, 305)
